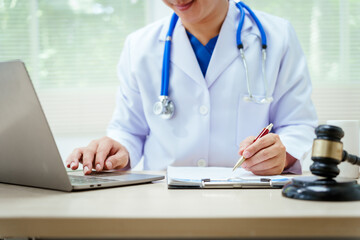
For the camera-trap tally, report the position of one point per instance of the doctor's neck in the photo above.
(202, 18)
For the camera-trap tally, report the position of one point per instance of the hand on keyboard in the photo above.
(101, 154)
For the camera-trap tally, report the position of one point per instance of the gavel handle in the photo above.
(350, 158)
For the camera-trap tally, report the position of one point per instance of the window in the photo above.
(328, 32)
(71, 48)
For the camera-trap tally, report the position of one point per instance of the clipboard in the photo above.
(221, 178)
(245, 183)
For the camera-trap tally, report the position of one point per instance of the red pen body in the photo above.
(262, 133)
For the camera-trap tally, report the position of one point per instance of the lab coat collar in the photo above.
(183, 56)
(226, 50)
(233, 14)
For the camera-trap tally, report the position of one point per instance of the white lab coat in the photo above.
(211, 118)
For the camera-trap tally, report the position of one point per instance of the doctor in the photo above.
(222, 78)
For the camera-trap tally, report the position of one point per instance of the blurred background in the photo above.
(71, 49)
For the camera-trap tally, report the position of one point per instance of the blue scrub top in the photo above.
(202, 53)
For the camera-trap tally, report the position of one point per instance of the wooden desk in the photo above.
(152, 210)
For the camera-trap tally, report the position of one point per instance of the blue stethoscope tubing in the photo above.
(165, 107)
(241, 6)
(166, 59)
(250, 97)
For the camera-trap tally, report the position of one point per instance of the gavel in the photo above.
(328, 152)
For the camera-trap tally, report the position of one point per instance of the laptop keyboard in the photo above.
(82, 180)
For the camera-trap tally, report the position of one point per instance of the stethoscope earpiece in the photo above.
(247, 98)
(265, 100)
(250, 98)
(268, 99)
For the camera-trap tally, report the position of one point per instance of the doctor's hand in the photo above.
(266, 156)
(101, 154)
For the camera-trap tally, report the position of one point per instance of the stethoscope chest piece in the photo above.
(164, 108)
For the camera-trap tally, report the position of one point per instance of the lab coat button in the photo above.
(203, 110)
(201, 163)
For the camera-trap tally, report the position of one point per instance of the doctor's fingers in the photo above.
(245, 143)
(104, 149)
(88, 160)
(270, 166)
(264, 142)
(88, 156)
(117, 161)
(266, 168)
(261, 156)
(74, 158)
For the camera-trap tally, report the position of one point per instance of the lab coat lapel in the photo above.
(226, 50)
(182, 54)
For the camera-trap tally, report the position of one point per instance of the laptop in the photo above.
(28, 152)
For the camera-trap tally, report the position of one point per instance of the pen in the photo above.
(263, 133)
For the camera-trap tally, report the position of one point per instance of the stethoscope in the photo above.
(166, 108)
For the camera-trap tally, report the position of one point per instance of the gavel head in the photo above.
(327, 151)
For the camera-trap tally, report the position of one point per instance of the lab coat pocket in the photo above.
(252, 117)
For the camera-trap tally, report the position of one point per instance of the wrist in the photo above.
(289, 161)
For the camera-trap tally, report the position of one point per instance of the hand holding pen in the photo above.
(265, 154)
